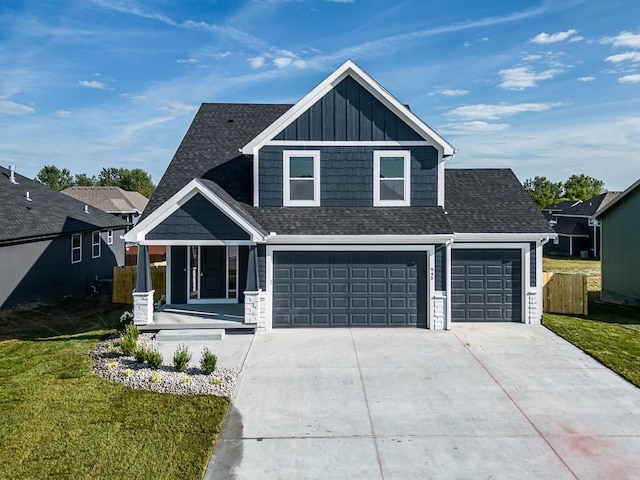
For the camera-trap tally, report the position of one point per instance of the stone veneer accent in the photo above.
(532, 308)
(143, 307)
(439, 312)
(255, 308)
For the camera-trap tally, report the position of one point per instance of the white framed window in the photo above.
(95, 245)
(301, 178)
(109, 237)
(76, 248)
(392, 178)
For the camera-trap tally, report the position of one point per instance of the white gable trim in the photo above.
(349, 68)
(186, 193)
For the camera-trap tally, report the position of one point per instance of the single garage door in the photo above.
(349, 289)
(486, 285)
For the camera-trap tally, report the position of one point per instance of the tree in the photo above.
(54, 178)
(109, 177)
(543, 191)
(582, 187)
(83, 180)
(132, 180)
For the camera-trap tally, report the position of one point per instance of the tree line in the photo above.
(135, 180)
(577, 187)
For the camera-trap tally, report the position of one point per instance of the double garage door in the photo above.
(486, 285)
(349, 289)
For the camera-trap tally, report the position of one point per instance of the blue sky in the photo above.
(548, 88)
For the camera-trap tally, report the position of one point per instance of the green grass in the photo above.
(561, 264)
(610, 334)
(59, 419)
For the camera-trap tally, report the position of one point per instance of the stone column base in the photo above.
(143, 307)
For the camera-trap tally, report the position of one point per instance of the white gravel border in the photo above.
(109, 362)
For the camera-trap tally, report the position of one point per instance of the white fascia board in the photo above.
(358, 239)
(186, 193)
(349, 68)
(170, 243)
(503, 237)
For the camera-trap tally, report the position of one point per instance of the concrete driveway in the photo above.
(481, 401)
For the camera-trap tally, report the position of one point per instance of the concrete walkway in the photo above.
(481, 401)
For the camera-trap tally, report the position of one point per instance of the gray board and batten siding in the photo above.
(198, 219)
(349, 289)
(348, 112)
(486, 285)
(346, 175)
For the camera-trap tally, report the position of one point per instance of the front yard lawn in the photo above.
(59, 419)
(610, 334)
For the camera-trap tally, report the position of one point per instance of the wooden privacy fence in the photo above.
(124, 281)
(565, 293)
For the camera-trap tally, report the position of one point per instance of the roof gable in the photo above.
(606, 207)
(350, 69)
(109, 199)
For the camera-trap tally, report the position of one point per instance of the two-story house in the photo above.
(338, 212)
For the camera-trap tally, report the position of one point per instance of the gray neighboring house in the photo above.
(576, 225)
(338, 212)
(52, 245)
(620, 241)
(127, 205)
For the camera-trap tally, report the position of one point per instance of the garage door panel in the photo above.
(350, 289)
(496, 295)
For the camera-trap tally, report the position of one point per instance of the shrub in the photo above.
(129, 340)
(113, 351)
(181, 358)
(208, 362)
(141, 354)
(186, 380)
(126, 319)
(111, 365)
(216, 380)
(127, 372)
(161, 302)
(155, 377)
(154, 358)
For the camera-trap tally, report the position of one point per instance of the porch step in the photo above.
(228, 327)
(191, 335)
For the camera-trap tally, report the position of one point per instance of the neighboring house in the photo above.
(126, 205)
(620, 224)
(52, 245)
(338, 212)
(576, 225)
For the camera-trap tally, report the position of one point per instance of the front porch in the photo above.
(229, 317)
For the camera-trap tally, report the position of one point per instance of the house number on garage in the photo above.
(432, 274)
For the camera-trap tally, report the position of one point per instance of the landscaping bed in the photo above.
(60, 419)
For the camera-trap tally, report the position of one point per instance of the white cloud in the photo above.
(621, 57)
(578, 38)
(13, 108)
(187, 60)
(176, 108)
(586, 79)
(257, 62)
(630, 79)
(519, 78)
(449, 92)
(624, 39)
(63, 113)
(282, 62)
(544, 38)
(93, 84)
(467, 128)
(496, 111)
(301, 64)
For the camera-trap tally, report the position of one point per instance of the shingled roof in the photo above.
(47, 213)
(490, 201)
(109, 199)
(477, 201)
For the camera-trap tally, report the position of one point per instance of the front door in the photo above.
(213, 272)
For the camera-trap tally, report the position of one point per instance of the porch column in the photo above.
(254, 302)
(143, 292)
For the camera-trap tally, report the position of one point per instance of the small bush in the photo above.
(216, 380)
(111, 365)
(129, 340)
(126, 319)
(161, 302)
(141, 354)
(154, 358)
(208, 362)
(181, 358)
(127, 372)
(186, 380)
(113, 351)
(155, 377)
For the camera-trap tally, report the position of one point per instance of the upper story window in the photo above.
(110, 237)
(76, 248)
(95, 245)
(301, 182)
(391, 178)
